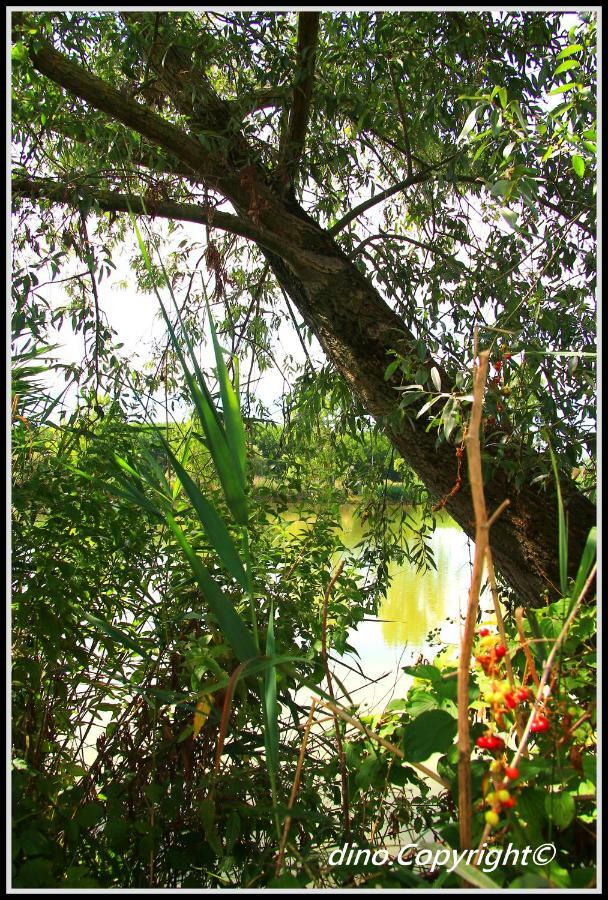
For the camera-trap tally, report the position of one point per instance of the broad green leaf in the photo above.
(578, 164)
(431, 732)
(569, 50)
(566, 66)
(560, 808)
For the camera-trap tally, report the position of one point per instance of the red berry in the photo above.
(521, 694)
(511, 772)
(506, 355)
(497, 365)
(494, 742)
(500, 651)
(508, 804)
(484, 632)
(482, 741)
(539, 723)
(510, 700)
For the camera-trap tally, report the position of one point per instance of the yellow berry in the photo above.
(492, 818)
(503, 796)
(496, 766)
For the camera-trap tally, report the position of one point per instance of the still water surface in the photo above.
(416, 603)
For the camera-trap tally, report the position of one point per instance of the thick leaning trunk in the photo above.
(356, 329)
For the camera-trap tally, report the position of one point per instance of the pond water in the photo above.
(417, 602)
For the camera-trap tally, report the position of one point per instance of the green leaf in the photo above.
(212, 522)
(510, 216)
(231, 624)
(469, 125)
(90, 814)
(566, 66)
(569, 50)
(116, 634)
(578, 164)
(425, 671)
(271, 731)
(560, 808)
(430, 732)
(587, 560)
(223, 459)
(233, 422)
(562, 534)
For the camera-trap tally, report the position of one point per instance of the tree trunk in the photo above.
(357, 329)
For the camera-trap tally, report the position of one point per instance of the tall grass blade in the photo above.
(270, 704)
(233, 422)
(213, 524)
(587, 560)
(562, 536)
(271, 723)
(231, 624)
(228, 469)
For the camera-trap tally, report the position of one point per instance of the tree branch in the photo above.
(378, 198)
(308, 32)
(102, 96)
(112, 201)
(479, 182)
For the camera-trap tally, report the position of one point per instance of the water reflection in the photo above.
(417, 602)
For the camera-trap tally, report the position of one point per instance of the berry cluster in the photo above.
(503, 699)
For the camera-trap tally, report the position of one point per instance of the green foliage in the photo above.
(155, 569)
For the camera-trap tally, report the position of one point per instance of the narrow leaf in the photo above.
(562, 536)
(233, 422)
(271, 732)
(231, 624)
(213, 524)
(116, 634)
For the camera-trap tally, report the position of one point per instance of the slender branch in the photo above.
(378, 198)
(481, 543)
(519, 621)
(548, 666)
(295, 787)
(403, 118)
(112, 201)
(330, 689)
(383, 235)
(102, 96)
(479, 182)
(308, 33)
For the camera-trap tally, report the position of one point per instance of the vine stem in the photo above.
(296, 786)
